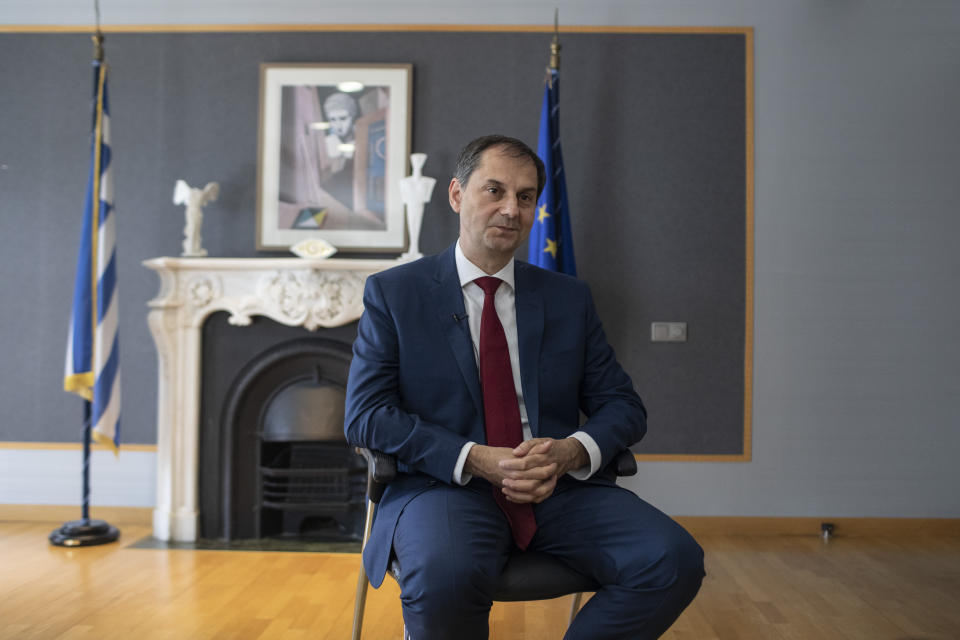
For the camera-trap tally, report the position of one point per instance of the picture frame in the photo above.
(334, 141)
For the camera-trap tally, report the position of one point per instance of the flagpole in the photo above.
(555, 45)
(85, 498)
(86, 532)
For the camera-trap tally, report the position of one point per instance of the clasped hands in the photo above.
(528, 472)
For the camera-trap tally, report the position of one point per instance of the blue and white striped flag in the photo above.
(551, 240)
(93, 366)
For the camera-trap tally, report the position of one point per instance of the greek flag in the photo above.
(93, 367)
(551, 241)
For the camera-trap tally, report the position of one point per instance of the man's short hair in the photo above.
(340, 101)
(469, 157)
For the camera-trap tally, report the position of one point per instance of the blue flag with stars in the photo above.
(551, 241)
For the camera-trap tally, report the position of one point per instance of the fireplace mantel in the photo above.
(292, 291)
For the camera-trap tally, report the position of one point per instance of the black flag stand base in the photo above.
(85, 532)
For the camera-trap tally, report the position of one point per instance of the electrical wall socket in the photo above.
(668, 332)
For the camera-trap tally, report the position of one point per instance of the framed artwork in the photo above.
(334, 143)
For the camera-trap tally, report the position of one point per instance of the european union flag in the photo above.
(92, 367)
(551, 241)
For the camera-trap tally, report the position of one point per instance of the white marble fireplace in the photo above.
(292, 291)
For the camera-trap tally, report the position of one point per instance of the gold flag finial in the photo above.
(555, 45)
(97, 46)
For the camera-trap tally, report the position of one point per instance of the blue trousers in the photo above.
(452, 543)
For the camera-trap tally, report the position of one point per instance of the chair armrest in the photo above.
(625, 464)
(381, 470)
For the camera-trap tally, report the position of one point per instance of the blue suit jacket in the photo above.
(414, 389)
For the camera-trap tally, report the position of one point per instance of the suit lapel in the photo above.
(529, 304)
(449, 296)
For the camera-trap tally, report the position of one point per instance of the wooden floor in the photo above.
(764, 587)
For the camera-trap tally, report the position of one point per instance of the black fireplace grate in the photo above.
(313, 478)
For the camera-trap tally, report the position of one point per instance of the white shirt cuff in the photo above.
(592, 450)
(459, 476)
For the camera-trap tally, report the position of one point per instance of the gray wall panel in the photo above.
(653, 132)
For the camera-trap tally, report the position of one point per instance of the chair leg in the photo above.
(360, 601)
(575, 607)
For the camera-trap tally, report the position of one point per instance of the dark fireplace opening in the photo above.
(274, 463)
(310, 483)
(308, 491)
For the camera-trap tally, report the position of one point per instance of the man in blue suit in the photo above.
(421, 389)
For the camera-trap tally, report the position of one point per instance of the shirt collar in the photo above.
(469, 272)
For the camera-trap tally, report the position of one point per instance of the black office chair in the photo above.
(528, 575)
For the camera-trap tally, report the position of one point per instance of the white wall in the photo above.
(53, 477)
(857, 183)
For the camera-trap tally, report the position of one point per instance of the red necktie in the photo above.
(501, 410)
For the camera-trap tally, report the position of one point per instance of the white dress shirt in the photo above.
(473, 297)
